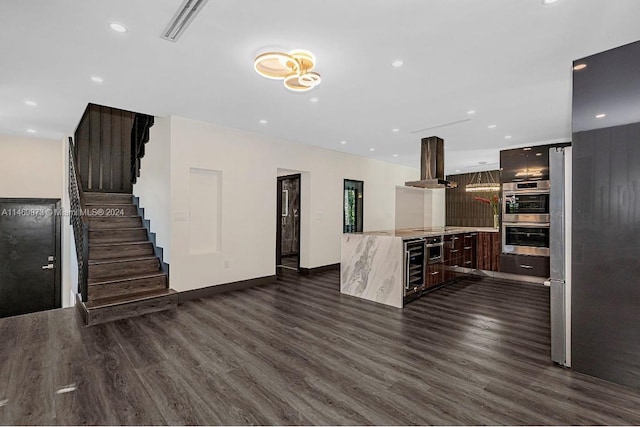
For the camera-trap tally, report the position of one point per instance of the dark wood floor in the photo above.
(299, 352)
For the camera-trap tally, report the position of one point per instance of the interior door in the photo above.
(29, 256)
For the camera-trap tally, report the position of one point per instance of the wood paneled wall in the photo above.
(461, 208)
(103, 149)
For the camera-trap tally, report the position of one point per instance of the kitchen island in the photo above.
(373, 263)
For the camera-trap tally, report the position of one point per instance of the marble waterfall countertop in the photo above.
(412, 233)
(372, 263)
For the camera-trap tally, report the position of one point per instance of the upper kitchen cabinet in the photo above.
(524, 164)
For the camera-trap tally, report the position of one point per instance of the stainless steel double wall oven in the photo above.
(526, 217)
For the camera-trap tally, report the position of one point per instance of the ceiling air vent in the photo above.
(182, 18)
(441, 125)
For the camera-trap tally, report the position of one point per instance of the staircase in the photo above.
(124, 277)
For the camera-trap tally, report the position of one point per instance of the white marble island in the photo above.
(371, 268)
(372, 263)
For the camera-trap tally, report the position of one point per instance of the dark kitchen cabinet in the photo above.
(528, 265)
(488, 251)
(434, 275)
(605, 230)
(469, 250)
(524, 164)
(453, 255)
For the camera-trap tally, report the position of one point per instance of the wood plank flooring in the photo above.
(299, 352)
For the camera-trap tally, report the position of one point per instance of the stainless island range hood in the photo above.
(432, 165)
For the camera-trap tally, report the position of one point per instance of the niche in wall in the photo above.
(205, 208)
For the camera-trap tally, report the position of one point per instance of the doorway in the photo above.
(353, 202)
(288, 222)
(29, 256)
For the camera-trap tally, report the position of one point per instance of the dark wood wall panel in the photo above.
(461, 208)
(105, 154)
(117, 149)
(125, 131)
(103, 144)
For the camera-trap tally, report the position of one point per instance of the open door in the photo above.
(288, 222)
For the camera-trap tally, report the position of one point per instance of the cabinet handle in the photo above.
(468, 247)
(467, 262)
(453, 251)
(435, 272)
(454, 238)
(526, 266)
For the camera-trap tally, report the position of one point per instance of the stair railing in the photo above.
(79, 222)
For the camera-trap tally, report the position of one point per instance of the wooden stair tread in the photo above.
(113, 301)
(122, 259)
(100, 245)
(119, 216)
(109, 230)
(114, 204)
(125, 278)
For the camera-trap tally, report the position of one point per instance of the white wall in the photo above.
(419, 207)
(31, 167)
(154, 183)
(249, 166)
(36, 168)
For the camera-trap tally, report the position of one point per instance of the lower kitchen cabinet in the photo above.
(434, 275)
(453, 256)
(469, 243)
(529, 265)
(488, 251)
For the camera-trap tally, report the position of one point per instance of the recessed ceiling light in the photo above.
(395, 155)
(548, 2)
(538, 154)
(579, 67)
(31, 103)
(31, 130)
(492, 126)
(96, 79)
(372, 149)
(397, 63)
(343, 142)
(314, 100)
(263, 121)
(457, 170)
(599, 116)
(395, 130)
(471, 112)
(507, 137)
(118, 28)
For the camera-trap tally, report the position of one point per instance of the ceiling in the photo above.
(509, 60)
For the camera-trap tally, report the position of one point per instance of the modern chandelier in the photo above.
(295, 68)
(477, 185)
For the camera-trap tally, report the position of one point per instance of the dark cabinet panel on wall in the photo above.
(462, 210)
(605, 296)
(103, 149)
(606, 254)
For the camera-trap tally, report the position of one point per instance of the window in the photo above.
(353, 206)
